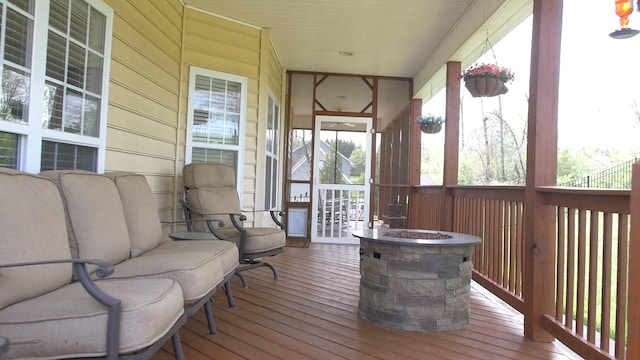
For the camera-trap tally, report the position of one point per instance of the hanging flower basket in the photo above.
(487, 80)
(430, 124)
(431, 128)
(485, 86)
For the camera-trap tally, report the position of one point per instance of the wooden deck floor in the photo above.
(310, 312)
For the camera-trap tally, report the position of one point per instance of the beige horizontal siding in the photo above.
(144, 93)
(148, 96)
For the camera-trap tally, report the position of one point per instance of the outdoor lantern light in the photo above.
(624, 8)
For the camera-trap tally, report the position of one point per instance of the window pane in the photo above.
(97, 27)
(75, 72)
(267, 185)
(8, 150)
(300, 155)
(53, 102)
(218, 95)
(79, 20)
(58, 13)
(56, 55)
(215, 156)
(270, 125)
(94, 74)
(73, 112)
(274, 184)
(17, 48)
(26, 5)
(233, 96)
(59, 156)
(276, 129)
(14, 104)
(231, 126)
(91, 116)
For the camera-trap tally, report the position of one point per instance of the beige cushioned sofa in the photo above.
(44, 313)
(114, 216)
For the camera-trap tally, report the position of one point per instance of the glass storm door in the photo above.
(341, 178)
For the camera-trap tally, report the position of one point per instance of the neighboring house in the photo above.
(301, 168)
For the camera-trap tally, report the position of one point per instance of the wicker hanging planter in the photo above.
(431, 128)
(487, 80)
(485, 86)
(430, 124)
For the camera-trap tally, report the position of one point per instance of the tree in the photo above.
(495, 153)
(346, 147)
(331, 169)
(358, 158)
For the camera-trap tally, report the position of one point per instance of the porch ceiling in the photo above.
(401, 38)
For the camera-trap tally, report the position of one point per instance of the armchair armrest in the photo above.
(235, 220)
(274, 216)
(113, 304)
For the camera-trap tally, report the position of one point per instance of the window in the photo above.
(55, 57)
(273, 147)
(216, 117)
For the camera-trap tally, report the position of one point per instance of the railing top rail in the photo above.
(608, 200)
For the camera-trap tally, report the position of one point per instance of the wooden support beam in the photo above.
(415, 159)
(542, 139)
(451, 141)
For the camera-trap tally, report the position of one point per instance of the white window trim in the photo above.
(277, 156)
(32, 134)
(193, 72)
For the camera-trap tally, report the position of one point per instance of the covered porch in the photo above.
(554, 263)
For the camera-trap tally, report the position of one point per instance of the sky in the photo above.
(599, 80)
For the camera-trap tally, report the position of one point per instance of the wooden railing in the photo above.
(496, 215)
(591, 262)
(592, 243)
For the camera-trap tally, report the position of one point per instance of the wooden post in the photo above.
(451, 142)
(542, 139)
(633, 315)
(415, 158)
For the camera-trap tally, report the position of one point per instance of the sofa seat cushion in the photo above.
(226, 251)
(197, 273)
(258, 239)
(69, 321)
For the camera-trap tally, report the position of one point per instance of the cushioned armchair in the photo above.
(211, 203)
(45, 313)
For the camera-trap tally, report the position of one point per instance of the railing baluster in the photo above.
(581, 276)
(560, 262)
(621, 285)
(605, 317)
(571, 254)
(593, 277)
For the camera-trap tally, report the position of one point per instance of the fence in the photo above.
(616, 177)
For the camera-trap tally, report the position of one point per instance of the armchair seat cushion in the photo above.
(258, 239)
(197, 272)
(69, 321)
(225, 251)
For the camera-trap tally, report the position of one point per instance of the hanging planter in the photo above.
(430, 124)
(487, 80)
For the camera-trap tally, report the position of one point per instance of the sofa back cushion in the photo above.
(211, 190)
(141, 213)
(33, 229)
(95, 217)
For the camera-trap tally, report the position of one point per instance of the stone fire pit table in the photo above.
(415, 280)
